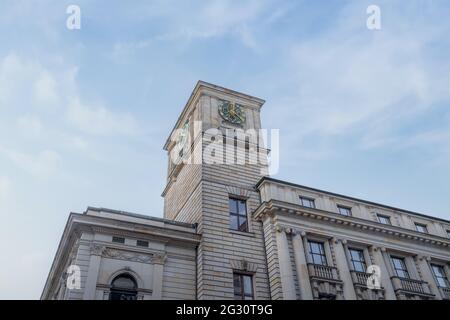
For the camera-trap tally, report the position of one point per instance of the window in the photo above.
(448, 233)
(238, 214)
(307, 202)
(118, 239)
(357, 259)
(243, 286)
(317, 253)
(345, 211)
(142, 243)
(384, 219)
(400, 267)
(421, 227)
(440, 276)
(123, 287)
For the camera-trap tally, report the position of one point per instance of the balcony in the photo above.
(325, 282)
(363, 292)
(411, 289)
(445, 293)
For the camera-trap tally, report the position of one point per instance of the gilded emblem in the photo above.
(231, 112)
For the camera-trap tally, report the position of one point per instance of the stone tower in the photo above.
(199, 191)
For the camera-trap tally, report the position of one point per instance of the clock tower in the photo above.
(215, 161)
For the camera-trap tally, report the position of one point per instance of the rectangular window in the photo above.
(317, 252)
(142, 243)
(439, 274)
(243, 286)
(118, 239)
(384, 219)
(448, 233)
(307, 202)
(345, 211)
(357, 259)
(238, 214)
(400, 267)
(421, 227)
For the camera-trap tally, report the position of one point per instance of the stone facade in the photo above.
(193, 253)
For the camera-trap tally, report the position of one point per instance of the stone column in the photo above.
(284, 261)
(385, 276)
(301, 265)
(92, 275)
(425, 271)
(344, 271)
(158, 261)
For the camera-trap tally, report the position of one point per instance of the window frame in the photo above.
(419, 225)
(311, 201)
(404, 267)
(117, 239)
(383, 216)
(352, 261)
(140, 243)
(322, 255)
(350, 213)
(444, 275)
(117, 291)
(238, 215)
(242, 295)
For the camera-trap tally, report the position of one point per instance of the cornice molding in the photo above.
(273, 207)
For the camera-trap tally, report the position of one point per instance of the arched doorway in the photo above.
(123, 287)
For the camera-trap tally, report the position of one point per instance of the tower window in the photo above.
(238, 214)
(243, 286)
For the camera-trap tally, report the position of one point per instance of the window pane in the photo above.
(384, 219)
(248, 289)
(242, 208)
(232, 204)
(344, 211)
(237, 285)
(440, 276)
(243, 224)
(233, 222)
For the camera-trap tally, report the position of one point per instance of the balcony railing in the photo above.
(360, 278)
(411, 286)
(445, 293)
(323, 272)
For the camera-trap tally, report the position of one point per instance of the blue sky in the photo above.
(84, 113)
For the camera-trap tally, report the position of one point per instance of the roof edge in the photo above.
(269, 179)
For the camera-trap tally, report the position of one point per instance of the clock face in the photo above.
(231, 112)
(183, 136)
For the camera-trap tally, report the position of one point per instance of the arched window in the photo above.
(123, 287)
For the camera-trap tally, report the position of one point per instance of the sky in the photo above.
(84, 113)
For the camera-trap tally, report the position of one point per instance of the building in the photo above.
(231, 232)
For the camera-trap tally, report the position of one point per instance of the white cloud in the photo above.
(42, 165)
(362, 84)
(45, 88)
(30, 125)
(99, 120)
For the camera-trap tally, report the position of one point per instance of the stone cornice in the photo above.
(276, 207)
(132, 229)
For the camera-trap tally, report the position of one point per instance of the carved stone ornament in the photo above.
(127, 255)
